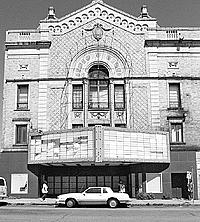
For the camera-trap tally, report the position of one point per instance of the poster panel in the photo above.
(19, 183)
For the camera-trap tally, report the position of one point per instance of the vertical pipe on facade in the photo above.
(85, 102)
(127, 104)
(69, 109)
(111, 103)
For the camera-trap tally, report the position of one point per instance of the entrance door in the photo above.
(179, 185)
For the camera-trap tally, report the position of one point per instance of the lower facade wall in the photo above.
(181, 163)
(14, 168)
(63, 179)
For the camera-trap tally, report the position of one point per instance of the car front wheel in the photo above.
(70, 203)
(112, 203)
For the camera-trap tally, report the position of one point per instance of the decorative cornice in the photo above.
(184, 147)
(98, 10)
(28, 45)
(126, 78)
(172, 43)
(21, 119)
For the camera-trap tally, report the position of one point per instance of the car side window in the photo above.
(94, 190)
(2, 182)
(104, 190)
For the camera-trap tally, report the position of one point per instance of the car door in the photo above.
(92, 196)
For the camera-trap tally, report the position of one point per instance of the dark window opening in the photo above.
(120, 125)
(2, 182)
(76, 126)
(179, 185)
(21, 134)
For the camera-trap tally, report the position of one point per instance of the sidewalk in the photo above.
(135, 202)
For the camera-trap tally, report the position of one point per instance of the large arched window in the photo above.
(98, 87)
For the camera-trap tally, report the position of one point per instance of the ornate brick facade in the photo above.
(139, 56)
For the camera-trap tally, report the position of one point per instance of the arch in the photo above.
(98, 71)
(108, 57)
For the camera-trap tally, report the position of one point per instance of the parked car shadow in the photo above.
(93, 206)
(3, 203)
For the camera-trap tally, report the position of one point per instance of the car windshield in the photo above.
(2, 182)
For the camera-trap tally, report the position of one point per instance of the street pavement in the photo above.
(99, 214)
(134, 202)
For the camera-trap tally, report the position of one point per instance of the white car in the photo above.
(94, 195)
(3, 188)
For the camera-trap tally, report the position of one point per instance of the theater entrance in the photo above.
(72, 184)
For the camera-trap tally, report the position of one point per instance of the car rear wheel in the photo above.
(112, 203)
(70, 203)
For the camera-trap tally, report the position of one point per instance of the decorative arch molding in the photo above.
(85, 53)
(99, 10)
(115, 62)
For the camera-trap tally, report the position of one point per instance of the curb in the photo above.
(133, 204)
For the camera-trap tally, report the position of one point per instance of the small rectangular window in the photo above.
(21, 134)
(22, 97)
(174, 95)
(77, 97)
(119, 97)
(76, 126)
(176, 132)
(120, 125)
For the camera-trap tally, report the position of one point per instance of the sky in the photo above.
(26, 14)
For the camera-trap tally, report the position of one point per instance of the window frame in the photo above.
(19, 142)
(181, 136)
(170, 103)
(123, 88)
(26, 104)
(81, 97)
(99, 82)
(149, 182)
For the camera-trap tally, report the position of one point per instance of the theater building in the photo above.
(100, 96)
